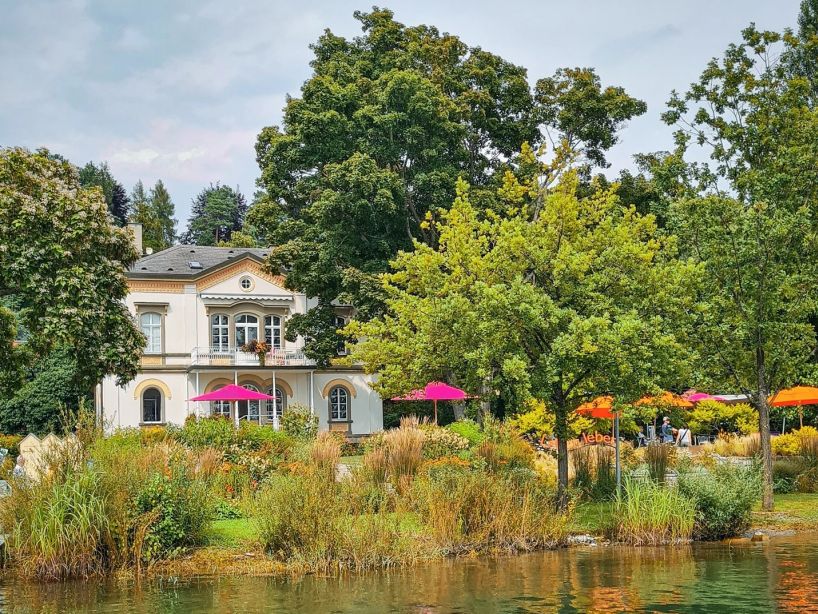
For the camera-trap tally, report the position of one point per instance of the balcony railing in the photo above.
(212, 356)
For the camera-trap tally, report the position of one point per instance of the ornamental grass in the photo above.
(648, 514)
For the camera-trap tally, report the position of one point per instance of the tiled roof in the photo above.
(180, 261)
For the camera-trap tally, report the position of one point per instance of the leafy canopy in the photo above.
(61, 273)
(752, 219)
(382, 130)
(217, 212)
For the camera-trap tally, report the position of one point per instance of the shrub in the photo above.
(710, 417)
(468, 429)
(785, 474)
(807, 482)
(175, 512)
(299, 422)
(439, 441)
(265, 438)
(723, 498)
(646, 513)
(211, 432)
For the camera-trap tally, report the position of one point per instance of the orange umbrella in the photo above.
(600, 407)
(797, 396)
(666, 398)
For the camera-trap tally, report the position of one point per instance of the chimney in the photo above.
(136, 231)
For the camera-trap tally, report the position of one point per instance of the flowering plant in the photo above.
(257, 347)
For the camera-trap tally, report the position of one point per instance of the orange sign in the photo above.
(596, 438)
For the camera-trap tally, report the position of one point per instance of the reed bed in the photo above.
(647, 514)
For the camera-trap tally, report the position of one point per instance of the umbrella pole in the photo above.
(616, 441)
(435, 402)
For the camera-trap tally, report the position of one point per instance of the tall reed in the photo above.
(647, 514)
(659, 458)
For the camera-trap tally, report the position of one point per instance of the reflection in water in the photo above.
(781, 575)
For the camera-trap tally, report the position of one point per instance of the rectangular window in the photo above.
(151, 325)
(219, 333)
(272, 331)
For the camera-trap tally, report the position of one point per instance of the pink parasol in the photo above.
(435, 391)
(702, 396)
(231, 392)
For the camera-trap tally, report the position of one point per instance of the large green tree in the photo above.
(753, 219)
(586, 298)
(62, 281)
(99, 175)
(217, 212)
(375, 143)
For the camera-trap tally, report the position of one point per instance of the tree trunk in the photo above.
(561, 431)
(763, 407)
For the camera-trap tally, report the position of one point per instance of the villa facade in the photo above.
(197, 307)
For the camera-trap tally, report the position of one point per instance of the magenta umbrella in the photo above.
(702, 396)
(233, 393)
(435, 391)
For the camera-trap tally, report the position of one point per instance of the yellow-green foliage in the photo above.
(11, 443)
(536, 420)
(713, 416)
(797, 442)
(785, 445)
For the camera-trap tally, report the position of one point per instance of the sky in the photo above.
(179, 90)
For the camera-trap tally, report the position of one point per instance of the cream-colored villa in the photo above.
(198, 306)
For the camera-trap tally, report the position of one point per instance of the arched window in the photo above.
(219, 333)
(249, 410)
(246, 329)
(339, 404)
(151, 406)
(272, 331)
(151, 324)
(280, 404)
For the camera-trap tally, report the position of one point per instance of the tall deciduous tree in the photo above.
(585, 299)
(115, 196)
(754, 221)
(61, 273)
(217, 212)
(382, 130)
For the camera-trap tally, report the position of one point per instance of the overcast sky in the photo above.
(179, 90)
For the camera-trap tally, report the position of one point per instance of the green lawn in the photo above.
(352, 461)
(795, 511)
(233, 533)
(591, 517)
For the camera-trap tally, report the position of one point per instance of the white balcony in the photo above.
(233, 357)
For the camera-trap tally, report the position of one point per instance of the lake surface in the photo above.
(776, 576)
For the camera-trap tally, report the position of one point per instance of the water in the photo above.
(778, 576)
